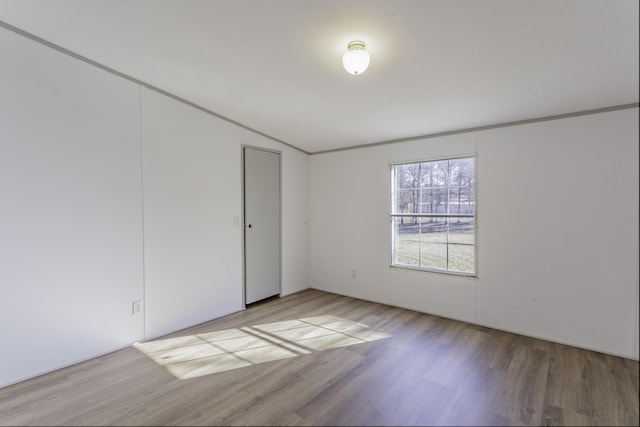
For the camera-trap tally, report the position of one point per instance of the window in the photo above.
(433, 215)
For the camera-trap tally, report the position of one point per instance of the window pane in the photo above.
(461, 258)
(433, 248)
(406, 241)
(408, 176)
(461, 244)
(406, 201)
(461, 186)
(461, 230)
(433, 200)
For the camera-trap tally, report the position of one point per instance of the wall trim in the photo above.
(352, 147)
(139, 82)
(487, 127)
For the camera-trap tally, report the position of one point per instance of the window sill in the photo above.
(435, 270)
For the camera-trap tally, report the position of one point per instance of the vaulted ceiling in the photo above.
(436, 65)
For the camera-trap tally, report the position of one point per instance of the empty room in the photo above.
(319, 212)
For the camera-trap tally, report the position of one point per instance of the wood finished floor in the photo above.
(427, 371)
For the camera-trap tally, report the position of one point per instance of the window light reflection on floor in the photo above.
(208, 353)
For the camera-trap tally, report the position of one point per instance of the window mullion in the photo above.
(419, 243)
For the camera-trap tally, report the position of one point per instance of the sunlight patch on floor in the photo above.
(218, 351)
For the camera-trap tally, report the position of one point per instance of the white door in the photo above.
(261, 224)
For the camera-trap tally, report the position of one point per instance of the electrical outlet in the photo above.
(136, 307)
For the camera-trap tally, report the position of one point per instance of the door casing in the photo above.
(245, 224)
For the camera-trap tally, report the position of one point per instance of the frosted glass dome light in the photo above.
(356, 60)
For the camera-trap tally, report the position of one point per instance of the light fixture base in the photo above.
(356, 60)
(356, 45)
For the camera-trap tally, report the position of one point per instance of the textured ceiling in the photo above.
(436, 66)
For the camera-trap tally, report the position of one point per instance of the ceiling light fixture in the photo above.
(356, 60)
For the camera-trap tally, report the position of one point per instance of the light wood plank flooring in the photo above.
(315, 358)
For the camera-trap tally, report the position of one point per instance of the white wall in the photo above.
(572, 276)
(111, 193)
(70, 210)
(192, 191)
(192, 197)
(557, 230)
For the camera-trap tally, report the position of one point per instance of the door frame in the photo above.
(244, 223)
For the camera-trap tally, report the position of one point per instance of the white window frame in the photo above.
(393, 215)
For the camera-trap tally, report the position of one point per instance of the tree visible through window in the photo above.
(433, 215)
